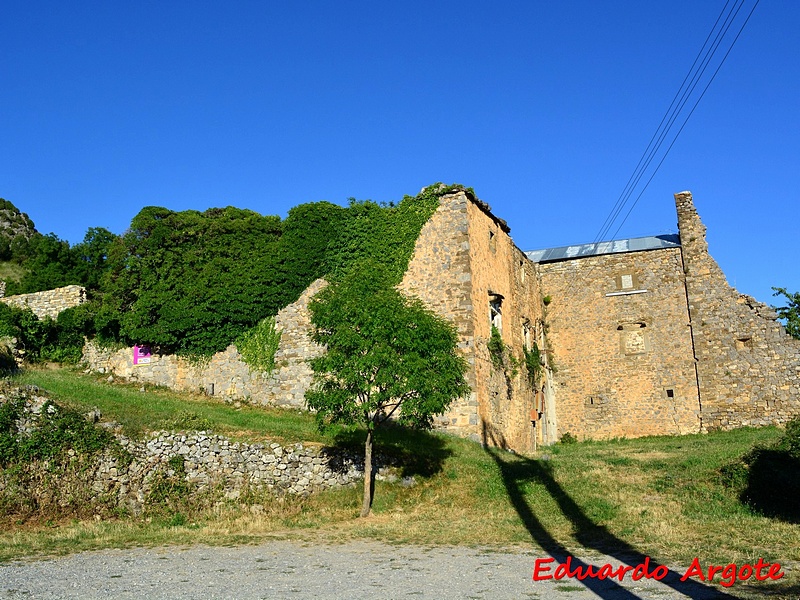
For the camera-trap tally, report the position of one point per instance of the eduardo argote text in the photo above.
(728, 574)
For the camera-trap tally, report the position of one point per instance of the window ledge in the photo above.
(626, 293)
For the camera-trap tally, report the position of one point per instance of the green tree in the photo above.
(90, 257)
(49, 262)
(791, 312)
(191, 282)
(308, 231)
(387, 356)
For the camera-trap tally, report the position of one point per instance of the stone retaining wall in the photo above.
(213, 461)
(210, 463)
(50, 302)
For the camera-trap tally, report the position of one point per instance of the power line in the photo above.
(682, 96)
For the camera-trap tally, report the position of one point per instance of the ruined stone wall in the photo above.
(502, 274)
(210, 461)
(439, 274)
(618, 327)
(226, 375)
(50, 302)
(748, 367)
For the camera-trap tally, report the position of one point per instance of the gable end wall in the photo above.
(748, 366)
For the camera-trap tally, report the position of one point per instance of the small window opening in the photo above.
(670, 393)
(492, 241)
(496, 311)
(526, 334)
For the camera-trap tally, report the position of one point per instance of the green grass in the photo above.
(155, 409)
(11, 271)
(659, 496)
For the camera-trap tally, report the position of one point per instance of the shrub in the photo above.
(567, 438)
(496, 348)
(768, 478)
(259, 345)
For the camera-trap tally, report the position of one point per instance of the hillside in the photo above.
(661, 497)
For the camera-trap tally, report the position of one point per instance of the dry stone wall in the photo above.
(210, 464)
(50, 302)
(748, 366)
(213, 462)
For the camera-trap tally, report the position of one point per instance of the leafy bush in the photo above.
(57, 430)
(189, 421)
(533, 364)
(496, 348)
(768, 478)
(45, 339)
(789, 314)
(567, 438)
(259, 345)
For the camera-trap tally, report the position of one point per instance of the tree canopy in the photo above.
(387, 357)
(791, 312)
(193, 282)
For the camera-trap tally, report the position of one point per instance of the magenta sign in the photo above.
(141, 355)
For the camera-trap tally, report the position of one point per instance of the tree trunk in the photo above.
(365, 507)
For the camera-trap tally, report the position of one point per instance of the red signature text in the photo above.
(728, 574)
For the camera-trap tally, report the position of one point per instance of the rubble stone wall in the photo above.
(214, 461)
(226, 375)
(748, 366)
(502, 274)
(50, 302)
(439, 274)
(622, 348)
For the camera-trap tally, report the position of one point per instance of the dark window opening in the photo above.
(496, 311)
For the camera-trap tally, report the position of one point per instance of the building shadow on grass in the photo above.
(516, 471)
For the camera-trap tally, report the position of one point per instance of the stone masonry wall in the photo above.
(503, 274)
(226, 375)
(50, 302)
(214, 461)
(748, 366)
(439, 275)
(619, 329)
(211, 462)
(456, 263)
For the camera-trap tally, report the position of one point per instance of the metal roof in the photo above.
(652, 242)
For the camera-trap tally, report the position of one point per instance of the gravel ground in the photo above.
(297, 570)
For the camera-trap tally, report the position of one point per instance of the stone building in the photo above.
(635, 337)
(624, 338)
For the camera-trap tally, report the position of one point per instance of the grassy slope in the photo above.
(660, 496)
(11, 271)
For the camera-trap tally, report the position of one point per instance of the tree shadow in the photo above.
(413, 452)
(773, 484)
(588, 533)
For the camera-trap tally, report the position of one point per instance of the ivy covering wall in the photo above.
(194, 282)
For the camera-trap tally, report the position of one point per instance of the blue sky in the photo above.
(543, 107)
